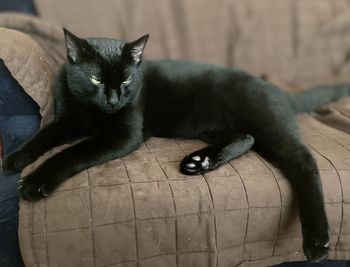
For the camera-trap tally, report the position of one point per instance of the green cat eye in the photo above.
(94, 80)
(127, 82)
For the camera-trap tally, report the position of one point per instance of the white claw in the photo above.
(42, 192)
(19, 187)
(19, 181)
(190, 165)
(196, 158)
(326, 245)
(205, 163)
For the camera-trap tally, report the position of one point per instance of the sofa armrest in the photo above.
(141, 211)
(29, 65)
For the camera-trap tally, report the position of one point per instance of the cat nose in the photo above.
(113, 98)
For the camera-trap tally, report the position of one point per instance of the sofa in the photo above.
(140, 210)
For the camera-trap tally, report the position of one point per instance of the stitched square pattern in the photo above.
(192, 259)
(138, 211)
(345, 183)
(40, 242)
(267, 194)
(109, 173)
(144, 171)
(156, 237)
(231, 228)
(191, 196)
(171, 170)
(230, 256)
(74, 203)
(112, 204)
(80, 180)
(39, 218)
(169, 155)
(226, 170)
(159, 261)
(114, 243)
(344, 237)
(153, 200)
(192, 233)
(228, 193)
(73, 243)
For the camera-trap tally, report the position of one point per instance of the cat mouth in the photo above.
(110, 110)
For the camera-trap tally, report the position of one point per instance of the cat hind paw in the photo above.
(316, 251)
(195, 164)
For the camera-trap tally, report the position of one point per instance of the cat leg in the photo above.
(52, 135)
(215, 155)
(72, 160)
(297, 164)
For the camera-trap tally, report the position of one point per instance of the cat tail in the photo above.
(317, 96)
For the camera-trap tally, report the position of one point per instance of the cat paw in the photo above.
(14, 163)
(8, 167)
(316, 251)
(194, 164)
(32, 189)
(5, 170)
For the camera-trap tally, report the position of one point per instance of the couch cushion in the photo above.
(336, 115)
(296, 41)
(140, 209)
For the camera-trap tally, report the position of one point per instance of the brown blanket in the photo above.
(140, 211)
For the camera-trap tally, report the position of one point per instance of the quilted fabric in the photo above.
(29, 65)
(294, 40)
(336, 115)
(140, 211)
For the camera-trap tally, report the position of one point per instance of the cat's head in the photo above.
(104, 73)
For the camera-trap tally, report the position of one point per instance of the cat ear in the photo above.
(135, 48)
(73, 44)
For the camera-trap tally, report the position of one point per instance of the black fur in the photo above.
(227, 107)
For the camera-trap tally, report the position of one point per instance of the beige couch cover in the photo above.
(140, 210)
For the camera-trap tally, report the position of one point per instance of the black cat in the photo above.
(104, 93)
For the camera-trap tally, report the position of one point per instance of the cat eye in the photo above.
(94, 80)
(127, 82)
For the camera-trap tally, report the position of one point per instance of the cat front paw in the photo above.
(8, 167)
(14, 163)
(316, 249)
(32, 188)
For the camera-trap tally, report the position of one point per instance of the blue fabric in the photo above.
(326, 263)
(19, 120)
(13, 100)
(24, 105)
(14, 130)
(24, 6)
